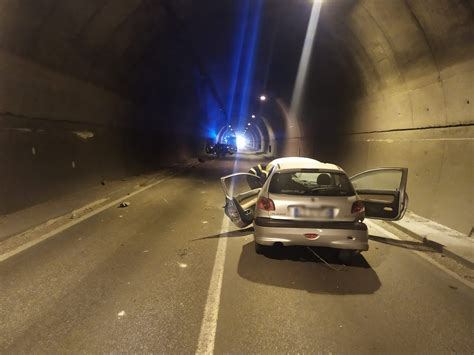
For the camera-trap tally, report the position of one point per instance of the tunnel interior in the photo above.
(97, 89)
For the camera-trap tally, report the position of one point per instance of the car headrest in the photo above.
(324, 179)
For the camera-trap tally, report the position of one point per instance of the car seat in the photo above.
(323, 179)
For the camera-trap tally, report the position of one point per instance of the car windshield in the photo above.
(311, 182)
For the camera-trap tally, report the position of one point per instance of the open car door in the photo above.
(383, 192)
(241, 192)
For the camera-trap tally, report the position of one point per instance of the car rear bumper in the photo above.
(340, 235)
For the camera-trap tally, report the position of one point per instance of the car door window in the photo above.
(383, 192)
(378, 180)
(240, 197)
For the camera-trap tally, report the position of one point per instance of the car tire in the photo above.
(347, 256)
(259, 248)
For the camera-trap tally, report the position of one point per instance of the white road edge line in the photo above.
(420, 254)
(48, 235)
(90, 205)
(207, 335)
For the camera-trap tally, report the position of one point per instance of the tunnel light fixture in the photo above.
(263, 98)
(248, 124)
(253, 116)
(230, 126)
(299, 86)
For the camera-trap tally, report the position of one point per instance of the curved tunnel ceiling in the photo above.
(110, 42)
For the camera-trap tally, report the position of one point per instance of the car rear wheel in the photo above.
(259, 248)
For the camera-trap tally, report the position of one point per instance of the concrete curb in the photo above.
(445, 250)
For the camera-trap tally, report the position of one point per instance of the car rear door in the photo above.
(383, 192)
(241, 192)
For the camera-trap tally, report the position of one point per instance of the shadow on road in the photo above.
(233, 234)
(427, 246)
(298, 268)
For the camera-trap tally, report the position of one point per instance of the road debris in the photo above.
(124, 204)
(182, 265)
(324, 261)
(204, 222)
(182, 252)
(120, 314)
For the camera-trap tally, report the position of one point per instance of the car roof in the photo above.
(302, 163)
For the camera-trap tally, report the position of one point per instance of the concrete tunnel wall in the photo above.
(53, 132)
(391, 84)
(75, 76)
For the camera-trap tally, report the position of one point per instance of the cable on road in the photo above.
(325, 262)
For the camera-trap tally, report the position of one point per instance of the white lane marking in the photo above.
(90, 205)
(207, 335)
(73, 222)
(420, 254)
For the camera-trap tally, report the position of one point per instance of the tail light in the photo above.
(358, 207)
(311, 236)
(266, 204)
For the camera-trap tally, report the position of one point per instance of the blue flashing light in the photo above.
(241, 69)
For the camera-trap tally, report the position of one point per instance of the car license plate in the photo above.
(307, 212)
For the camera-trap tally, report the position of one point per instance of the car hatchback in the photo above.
(309, 203)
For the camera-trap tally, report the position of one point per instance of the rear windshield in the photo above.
(311, 182)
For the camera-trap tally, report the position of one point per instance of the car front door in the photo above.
(241, 192)
(383, 192)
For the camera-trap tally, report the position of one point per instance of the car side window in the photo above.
(385, 180)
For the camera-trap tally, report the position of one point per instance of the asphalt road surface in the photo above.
(168, 274)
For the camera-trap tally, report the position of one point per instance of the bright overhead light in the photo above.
(263, 98)
(230, 126)
(248, 124)
(253, 116)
